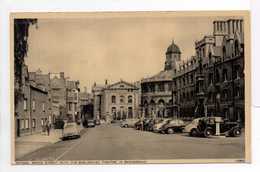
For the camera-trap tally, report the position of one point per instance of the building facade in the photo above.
(58, 94)
(116, 101)
(212, 83)
(33, 110)
(156, 97)
(73, 101)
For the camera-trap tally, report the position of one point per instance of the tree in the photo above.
(21, 33)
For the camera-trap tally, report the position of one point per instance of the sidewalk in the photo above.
(30, 143)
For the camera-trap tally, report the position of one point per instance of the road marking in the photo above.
(73, 146)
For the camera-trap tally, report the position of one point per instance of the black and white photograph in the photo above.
(130, 87)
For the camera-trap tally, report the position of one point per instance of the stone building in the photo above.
(58, 94)
(33, 109)
(156, 97)
(116, 101)
(212, 83)
(72, 100)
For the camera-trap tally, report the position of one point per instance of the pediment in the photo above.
(122, 85)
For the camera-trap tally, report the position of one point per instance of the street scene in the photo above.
(90, 89)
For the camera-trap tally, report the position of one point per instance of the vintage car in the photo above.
(128, 123)
(70, 131)
(158, 126)
(91, 123)
(172, 126)
(206, 126)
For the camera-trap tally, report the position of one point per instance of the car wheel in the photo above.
(208, 132)
(236, 132)
(193, 133)
(170, 131)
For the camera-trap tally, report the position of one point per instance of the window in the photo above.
(210, 79)
(237, 92)
(25, 104)
(161, 87)
(170, 86)
(26, 124)
(113, 99)
(191, 79)
(122, 86)
(237, 72)
(43, 107)
(33, 105)
(21, 124)
(130, 112)
(225, 75)
(152, 88)
(42, 121)
(34, 123)
(217, 79)
(122, 99)
(130, 99)
(183, 79)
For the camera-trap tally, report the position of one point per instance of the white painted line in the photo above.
(73, 146)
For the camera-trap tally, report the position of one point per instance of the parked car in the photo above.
(158, 126)
(206, 126)
(70, 131)
(91, 123)
(128, 123)
(172, 126)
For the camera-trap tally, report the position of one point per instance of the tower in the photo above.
(173, 54)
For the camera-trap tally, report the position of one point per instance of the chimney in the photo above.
(62, 75)
(85, 89)
(106, 82)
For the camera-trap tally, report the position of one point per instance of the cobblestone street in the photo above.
(110, 142)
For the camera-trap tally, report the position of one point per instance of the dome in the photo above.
(173, 48)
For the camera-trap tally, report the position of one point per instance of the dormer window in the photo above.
(122, 86)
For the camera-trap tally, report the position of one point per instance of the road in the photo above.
(110, 142)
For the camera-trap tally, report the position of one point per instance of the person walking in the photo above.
(48, 128)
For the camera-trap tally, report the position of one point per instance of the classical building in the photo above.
(116, 101)
(156, 97)
(212, 83)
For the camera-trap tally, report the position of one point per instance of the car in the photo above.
(70, 131)
(158, 125)
(206, 126)
(91, 123)
(172, 126)
(128, 123)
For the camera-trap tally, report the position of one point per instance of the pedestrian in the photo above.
(48, 128)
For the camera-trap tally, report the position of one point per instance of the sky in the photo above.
(94, 49)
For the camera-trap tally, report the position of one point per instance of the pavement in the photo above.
(110, 142)
(30, 143)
